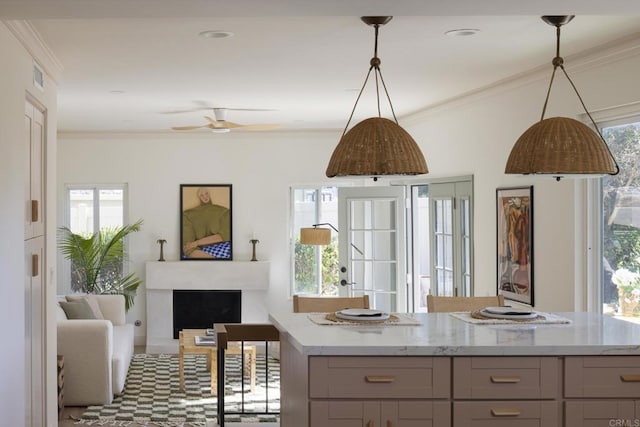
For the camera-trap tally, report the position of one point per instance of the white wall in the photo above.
(470, 136)
(16, 69)
(261, 168)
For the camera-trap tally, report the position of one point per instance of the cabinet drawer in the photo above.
(506, 413)
(602, 376)
(595, 413)
(413, 413)
(506, 377)
(379, 377)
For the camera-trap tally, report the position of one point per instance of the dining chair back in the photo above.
(449, 304)
(327, 304)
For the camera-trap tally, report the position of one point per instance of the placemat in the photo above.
(476, 318)
(397, 319)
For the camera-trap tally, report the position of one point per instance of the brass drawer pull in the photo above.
(379, 378)
(505, 380)
(35, 264)
(505, 412)
(630, 378)
(34, 211)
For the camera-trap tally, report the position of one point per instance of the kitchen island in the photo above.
(447, 372)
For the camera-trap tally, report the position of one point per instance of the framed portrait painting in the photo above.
(205, 222)
(515, 243)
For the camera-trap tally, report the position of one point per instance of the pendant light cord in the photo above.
(375, 65)
(558, 61)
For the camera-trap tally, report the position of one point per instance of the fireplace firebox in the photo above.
(200, 309)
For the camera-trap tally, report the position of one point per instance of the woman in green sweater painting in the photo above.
(206, 230)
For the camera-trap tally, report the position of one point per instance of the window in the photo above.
(621, 222)
(315, 268)
(91, 208)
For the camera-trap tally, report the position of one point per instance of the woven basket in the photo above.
(374, 147)
(560, 145)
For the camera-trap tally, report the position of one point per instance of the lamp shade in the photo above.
(315, 236)
(560, 145)
(376, 146)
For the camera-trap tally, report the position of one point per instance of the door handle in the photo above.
(345, 283)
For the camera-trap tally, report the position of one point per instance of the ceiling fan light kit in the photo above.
(376, 146)
(561, 146)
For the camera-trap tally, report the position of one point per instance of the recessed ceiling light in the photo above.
(215, 34)
(116, 92)
(463, 32)
(220, 130)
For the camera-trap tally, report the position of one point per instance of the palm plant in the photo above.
(97, 261)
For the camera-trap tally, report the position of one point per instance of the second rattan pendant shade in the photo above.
(558, 146)
(374, 147)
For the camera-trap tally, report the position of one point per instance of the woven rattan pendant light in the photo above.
(561, 146)
(376, 146)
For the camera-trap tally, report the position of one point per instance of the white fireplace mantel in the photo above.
(162, 277)
(245, 275)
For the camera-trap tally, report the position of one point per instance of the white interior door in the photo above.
(372, 245)
(451, 238)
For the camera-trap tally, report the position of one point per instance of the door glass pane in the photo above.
(385, 276)
(361, 214)
(384, 214)
(421, 251)
(621, 224)
(443, 239)
(385, 246)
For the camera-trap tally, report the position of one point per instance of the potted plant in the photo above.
(628, 283)
(97, 261)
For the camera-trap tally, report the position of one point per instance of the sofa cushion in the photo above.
(60, 314)
(77, 309)
(93, 303)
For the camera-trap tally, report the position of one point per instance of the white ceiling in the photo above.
(305, 61)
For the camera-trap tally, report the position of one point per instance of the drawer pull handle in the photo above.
(370, 423)
(379, 378)
(505, 412)
(630, 378)
(505, 380)
(34, 211)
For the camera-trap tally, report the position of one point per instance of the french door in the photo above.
(372, 245)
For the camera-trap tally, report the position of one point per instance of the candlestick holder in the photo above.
(162, 242)
(253, 242)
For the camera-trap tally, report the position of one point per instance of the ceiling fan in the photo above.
(219, 124)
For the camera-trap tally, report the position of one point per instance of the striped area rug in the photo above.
(152, 394)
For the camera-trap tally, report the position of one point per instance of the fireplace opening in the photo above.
(200, 309)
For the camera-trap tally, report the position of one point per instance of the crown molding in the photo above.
(37, 48)
(595, 57)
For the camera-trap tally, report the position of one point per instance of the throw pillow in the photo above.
(93, 303)
(77, 309)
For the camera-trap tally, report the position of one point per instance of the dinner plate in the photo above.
(491, 315)
(511, 311)
(362, 315)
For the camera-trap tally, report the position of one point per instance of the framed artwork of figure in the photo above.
(205, 222)
(515, 243)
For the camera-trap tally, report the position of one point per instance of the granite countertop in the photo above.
(440, 334)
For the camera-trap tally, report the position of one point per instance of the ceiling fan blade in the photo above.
(189, 127)
(260, 127)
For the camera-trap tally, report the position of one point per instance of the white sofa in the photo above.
(97, 353)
